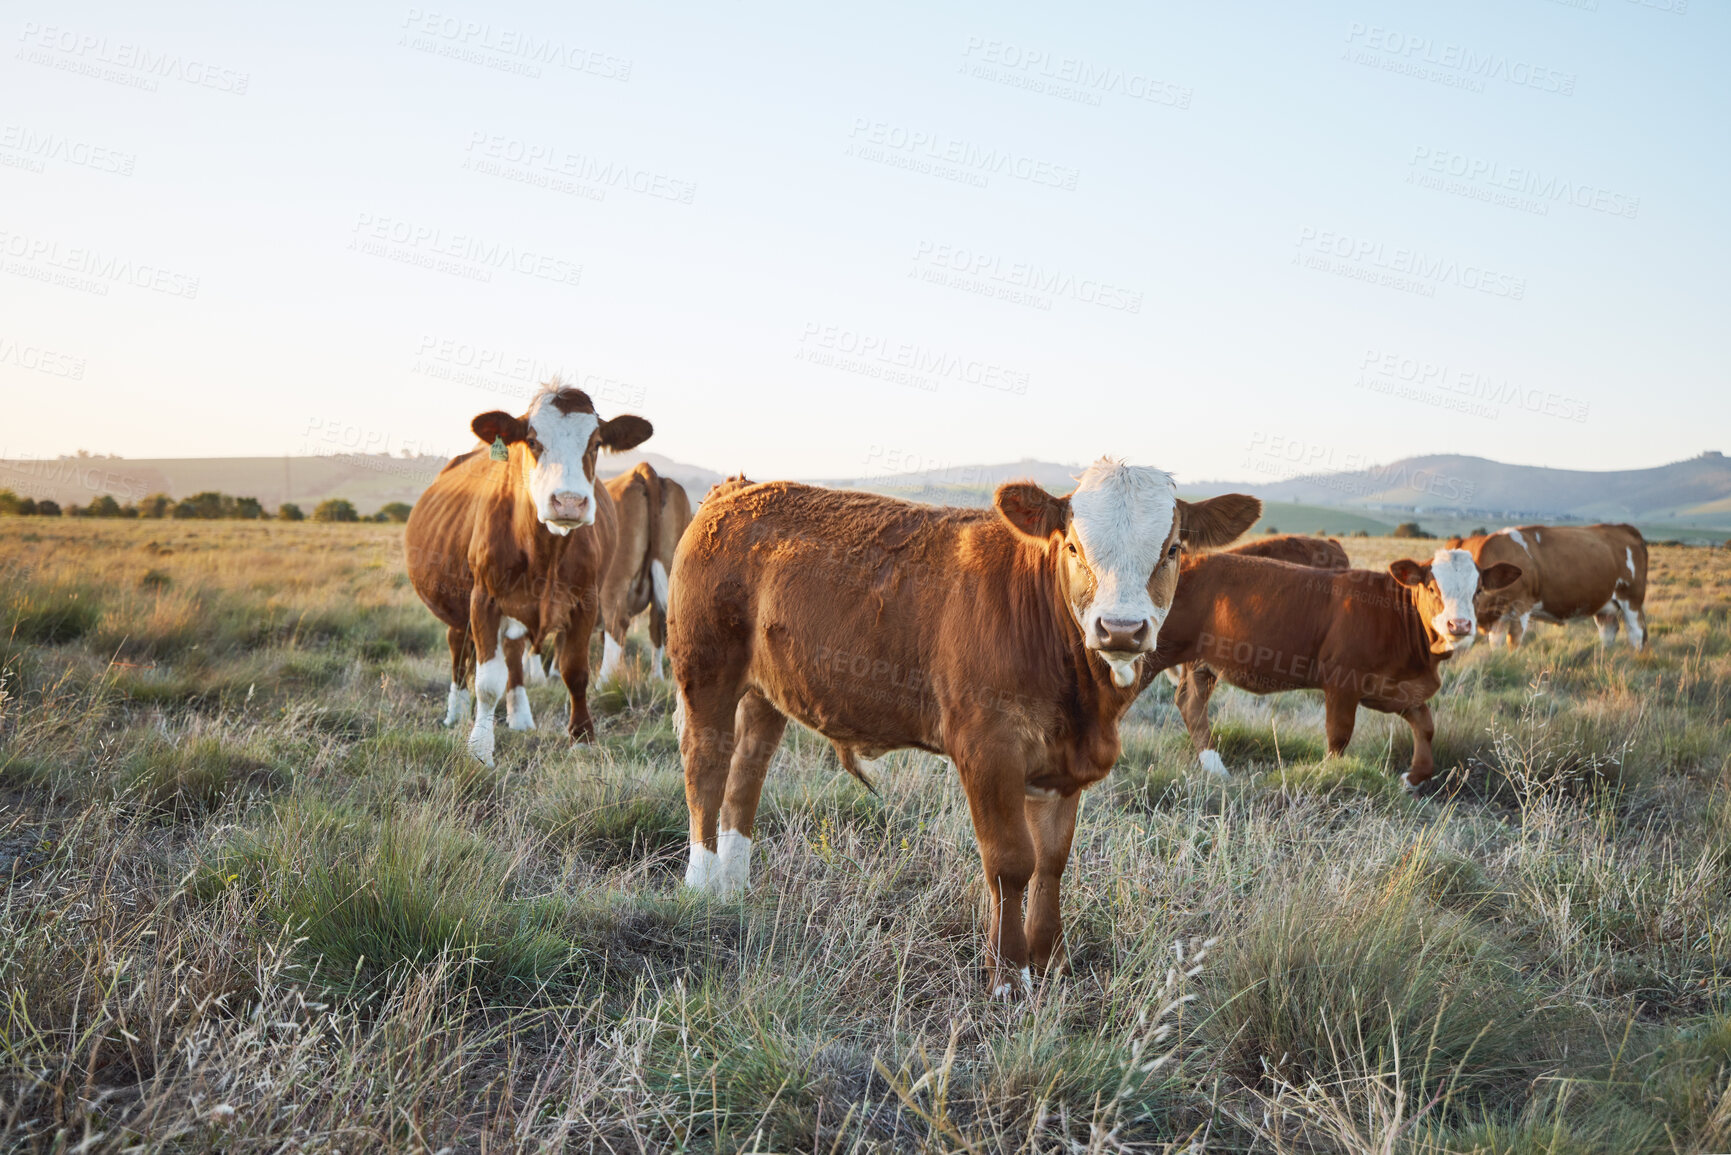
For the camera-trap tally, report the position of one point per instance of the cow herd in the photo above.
(1011, 639)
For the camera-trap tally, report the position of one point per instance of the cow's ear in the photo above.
(1031, 510)
(500, 426)
(1409, 572)
(1499, 575)
(627, 431)
(1218, 521)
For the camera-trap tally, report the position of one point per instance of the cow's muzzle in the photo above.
(1119, 642)
(1460, 627)
(570, 510)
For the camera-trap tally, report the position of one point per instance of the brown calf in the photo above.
(1006, 638)
(1361, 637)
(1567, 572)
(507, 546)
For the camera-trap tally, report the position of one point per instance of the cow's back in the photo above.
(436, 538)
(1321, 553)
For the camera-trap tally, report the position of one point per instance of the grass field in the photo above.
(258, 900)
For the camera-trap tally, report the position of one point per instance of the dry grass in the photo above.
(257, 900)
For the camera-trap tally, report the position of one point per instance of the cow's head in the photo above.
(554, 446)
(1117, 540)
(1444, 589)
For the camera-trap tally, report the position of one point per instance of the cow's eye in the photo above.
(532, 445)
(1172, 550)
(1071, 546)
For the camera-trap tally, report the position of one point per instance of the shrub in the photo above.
(1411, 529)
(397, 511)
(335, 509)
(156, 505)
(289, 511)
(46, 508)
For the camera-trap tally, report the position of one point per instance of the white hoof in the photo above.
(456, 704)
(1211, 762)
(481, 742)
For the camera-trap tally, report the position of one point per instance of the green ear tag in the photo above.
(499, 452)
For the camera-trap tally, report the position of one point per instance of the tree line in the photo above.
(207, 506)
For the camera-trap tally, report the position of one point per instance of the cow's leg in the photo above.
(485, 629)
(1423, 730)
(1608, 618)
(574, 667)
(517, 713)
(994, 786)
(1636, 619)
(612, 649)
(457, 698)
(1194, 690)
(707, 721)
(757, 730)
(658, 586)
(1340, 714)
(1052, 822)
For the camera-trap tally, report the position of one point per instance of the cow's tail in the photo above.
(658, 583)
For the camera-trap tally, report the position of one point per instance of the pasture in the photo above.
(257, 899)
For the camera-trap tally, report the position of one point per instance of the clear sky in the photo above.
(1217, 237)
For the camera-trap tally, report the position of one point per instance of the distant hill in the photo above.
(370, 480)
(1693, 492)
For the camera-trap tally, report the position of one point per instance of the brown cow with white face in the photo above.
(507, 552)
(1567, 572)
(1006, 638)
(1361, 637)
(653, 513)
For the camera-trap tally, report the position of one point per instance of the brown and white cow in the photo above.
(1006, 638)
(653, 513)
(1567, 572)
(506, 552)
(1360, 636)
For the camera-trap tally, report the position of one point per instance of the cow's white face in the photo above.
(1117, 539)
(554, 446)
(558, 465)
(1446, 587)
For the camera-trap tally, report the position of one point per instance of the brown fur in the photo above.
(653, 513)
(882, 625)
(1360, 636)
(1322, 553)
(1567, 572)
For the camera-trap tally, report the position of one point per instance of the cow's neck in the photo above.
(1101, 702)
(1420, 632)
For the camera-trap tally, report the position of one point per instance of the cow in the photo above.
(1360, 636)
(507, 546)
(1320, 553)
(1567, 572)
(1006, 638)
(653, 512)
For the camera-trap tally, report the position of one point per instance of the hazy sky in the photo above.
(1230, 239)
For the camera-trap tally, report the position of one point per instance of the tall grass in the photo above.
(257, 899)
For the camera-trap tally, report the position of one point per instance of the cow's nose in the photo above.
(1460, 627)
(1121, 634)
(568, 507)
